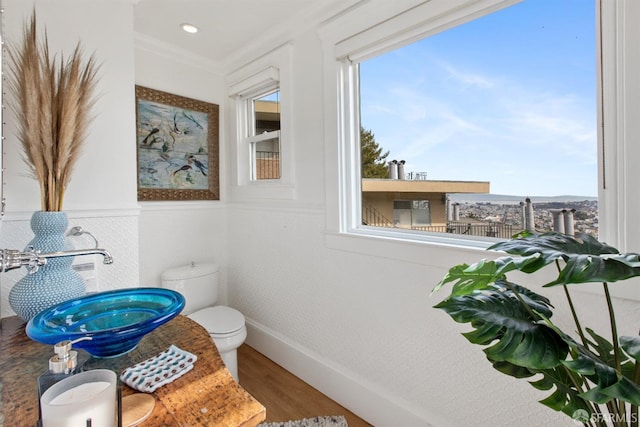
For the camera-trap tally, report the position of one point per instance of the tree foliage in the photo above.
(374, 161)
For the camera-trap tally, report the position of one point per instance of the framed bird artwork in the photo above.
(177, 142)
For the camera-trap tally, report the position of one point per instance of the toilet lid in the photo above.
(219, 319)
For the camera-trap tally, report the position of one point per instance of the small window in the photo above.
(402, 213)
(420, 213)
(263, 147)
(264, 135)
(411, 213)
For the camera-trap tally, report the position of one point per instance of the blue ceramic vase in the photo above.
(54, 282)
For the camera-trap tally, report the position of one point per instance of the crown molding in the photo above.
(174, 53)
(312, 16)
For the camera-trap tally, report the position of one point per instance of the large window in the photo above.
(366, 33)
(507, 100)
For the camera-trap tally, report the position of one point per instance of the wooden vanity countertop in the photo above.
(205, 396)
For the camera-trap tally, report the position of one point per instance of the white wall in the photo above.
(103, 184)
(351, 316)
(177, 233)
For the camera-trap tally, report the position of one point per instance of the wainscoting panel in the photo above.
(116, 231)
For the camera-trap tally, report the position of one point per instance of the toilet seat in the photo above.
(219, 321)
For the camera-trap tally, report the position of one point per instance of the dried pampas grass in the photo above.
(52, 101)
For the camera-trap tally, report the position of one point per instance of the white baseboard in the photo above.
(355, 394)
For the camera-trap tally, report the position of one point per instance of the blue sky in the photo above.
(509, 98)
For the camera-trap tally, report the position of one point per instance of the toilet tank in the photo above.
(198, 283)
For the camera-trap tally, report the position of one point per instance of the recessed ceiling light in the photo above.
(189, 28)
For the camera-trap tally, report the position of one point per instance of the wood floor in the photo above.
(285, 396)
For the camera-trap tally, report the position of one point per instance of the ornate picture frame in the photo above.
(177, 140)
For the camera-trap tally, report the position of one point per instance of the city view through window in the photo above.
(487, 128)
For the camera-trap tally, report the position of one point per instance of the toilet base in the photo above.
(227, 347)
(230, 359)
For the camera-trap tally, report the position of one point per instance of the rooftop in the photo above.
(380, 185)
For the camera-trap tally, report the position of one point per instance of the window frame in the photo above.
(251, 137)
(353, 45)
(269, 73)
(253, 141)
(348, 45)
(416, 211)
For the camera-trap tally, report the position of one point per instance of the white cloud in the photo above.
(467, 78)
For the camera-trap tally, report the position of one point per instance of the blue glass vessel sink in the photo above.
(112, 322)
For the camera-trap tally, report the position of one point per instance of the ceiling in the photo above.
(226, 27)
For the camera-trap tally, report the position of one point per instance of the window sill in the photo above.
(442, 251)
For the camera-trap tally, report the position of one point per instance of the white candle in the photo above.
(80, 393)
(90, 395)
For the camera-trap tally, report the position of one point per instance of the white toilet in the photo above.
(198, 283)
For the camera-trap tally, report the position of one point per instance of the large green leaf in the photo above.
(581, 260)
(513, 370)
(518, 343)
(599, 368)
(606, 383)
(606, 268)
(554, 244)
(498, 314)
(477, 276)
(565, 397)
(466, 279)
(623, 390)
(584, 259)
(604, 350)
(631, 345)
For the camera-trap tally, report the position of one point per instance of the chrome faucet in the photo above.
(32, 259)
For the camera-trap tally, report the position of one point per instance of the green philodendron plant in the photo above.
(593, 380)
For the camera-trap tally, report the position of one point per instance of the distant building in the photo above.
(412, 204)
(267, 153)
